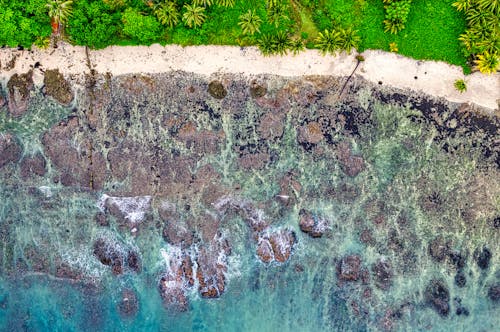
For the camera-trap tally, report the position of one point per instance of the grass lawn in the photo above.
(431, 32)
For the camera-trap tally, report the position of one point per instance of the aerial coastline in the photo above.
(384, 68)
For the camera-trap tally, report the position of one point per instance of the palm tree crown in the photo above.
(194, 15)
(250, 22)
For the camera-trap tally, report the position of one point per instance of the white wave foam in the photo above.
(134, 208)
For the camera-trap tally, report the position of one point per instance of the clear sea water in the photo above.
(405, 163)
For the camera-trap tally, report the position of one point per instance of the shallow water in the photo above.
(429, 171)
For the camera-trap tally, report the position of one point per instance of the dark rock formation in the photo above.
(349, 268)
(257, 90)
(482, 258)
(438, 249)
(310, 133)
(177, 233)
(134, 261)
(57, 87)
(271, 125)
(34, 165)
(212, 265)
(438, 297)
(78, 165)
(494, 293)
(129, 303)
(19, 88)
(217, 90)
(276, 246)
(382, 274)
(351, 164)
(311, 224)
(108, 254)
(10, 151)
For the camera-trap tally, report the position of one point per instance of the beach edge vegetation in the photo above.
(460, 32)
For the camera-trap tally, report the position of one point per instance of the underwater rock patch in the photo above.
(311, 224)
(10, 151)
(383, 274)
(34, 165)
(349, 268)
(276, 246)
(129, 303)
(482, 257)
(437, 296)
(351, 164)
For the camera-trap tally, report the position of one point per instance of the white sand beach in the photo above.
(430, 77)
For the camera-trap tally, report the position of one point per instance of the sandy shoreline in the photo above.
(430, 77)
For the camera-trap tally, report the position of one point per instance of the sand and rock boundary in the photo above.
(388, 69)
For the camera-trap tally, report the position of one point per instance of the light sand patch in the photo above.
(433, 78)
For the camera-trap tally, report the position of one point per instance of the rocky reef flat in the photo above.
(184, 201)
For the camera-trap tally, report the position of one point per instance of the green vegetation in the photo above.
(428, 29)
(481, 40)
(460, 86)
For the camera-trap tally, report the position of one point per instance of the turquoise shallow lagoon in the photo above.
(176, 202)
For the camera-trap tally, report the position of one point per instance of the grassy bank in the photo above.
(431, 32)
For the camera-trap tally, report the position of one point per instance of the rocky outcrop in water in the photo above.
(57, 87)
(10, 151)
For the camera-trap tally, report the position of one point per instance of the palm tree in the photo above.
(167, 14)
(349, 39)
(328, 41)
(250, 22)
(281, 42)
(194, 15)
(487, 63)
(59, 12)
(462, 5)
(491, 5)
(266, 44)
(225, 3)
(296, 46)
(204, 3)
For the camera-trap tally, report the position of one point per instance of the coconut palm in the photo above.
(281, 42)
(250, 22)
(328, 41)
(167, 14)
(276, 13)
(491, 5)
(194, 16)
(487, 62)
(266, 44)
(204, 3)
(59, 12)
(296, 46)
(225, 3)
(462, 5)
(349, 39)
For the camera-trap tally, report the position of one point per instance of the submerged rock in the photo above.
(494, 293)
(351, 164)
(129, 303)
(19, 89)
(349, 268)
(313, 225)
(109, 254)
(10, 151)
(276, 246)
(57, 87)
(382, 273)
(35, 165)
(438, 297)
(310, 133)
(212, 266)
(482, 258)
(439, 249)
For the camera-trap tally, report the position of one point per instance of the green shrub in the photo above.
(145, 29)
(460, 86)
(396, 15)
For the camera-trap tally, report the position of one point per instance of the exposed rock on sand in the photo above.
(19, 89)
(57, 87)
